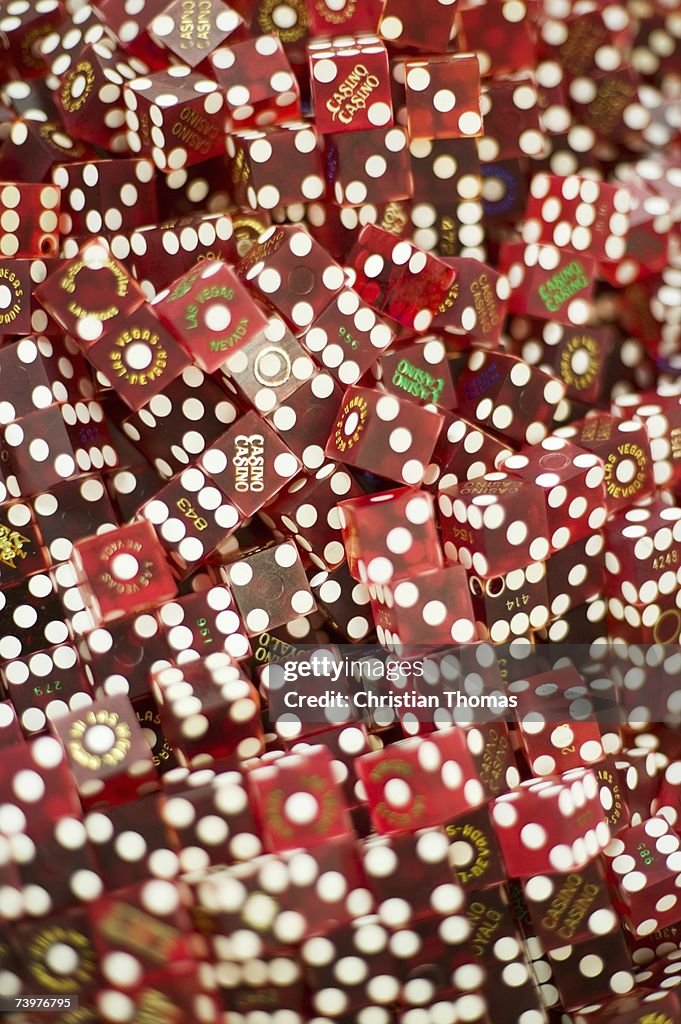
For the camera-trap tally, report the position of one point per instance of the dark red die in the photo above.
(123, 571)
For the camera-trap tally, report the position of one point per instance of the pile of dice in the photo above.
(340, 325)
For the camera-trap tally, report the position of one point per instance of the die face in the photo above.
(61, 954)
(21, 551)
(347, 338)
(192, 518)
(130, 844)
(107, 752)
(374, 526)
(86, 108)
(202, 623)
(210, 301)
(306, 416)
(307, 510)
(375, 169)
(294, 147)
(140, 357)
(123, 571)
(401, 26)
(102, 289)
(554, 904)
(364, 434)
(420, 371)
(269, 369)
(474, 850)
(285, 592)
(191, 114)
(250, 463)
(641, 553)
(411, 612)
(45, 685)
(191, 35)
(300, 801)
(120, 656)
(625, 451)
(258, 82)
(290, 271)
(477, 506)
(32, 617)
(344, 602)
(443, 97)
(104, 194)
(39, 236)
(463, 452)
(71, 510)
(396, 804)
(350, 84)
(572, 480)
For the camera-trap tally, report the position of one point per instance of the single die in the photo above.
(120, 656)
(576, 574)
(510, 111)
(624, 448)
(419, 369)
(192, 518)
(510, 605)
(210, 312)
(21, 546)
(643, 866)
(571, 908)
(545, 280)
(123, 571)
(109, 757)
(557, 726)
(642, 553)
(90, 98)
(139, 357)
(292, 273)
(31, 617)
(47, 684)
(494, 387)
(24, 27)
(188, 123)
(578, 214)
(258, 82)
(378, 431)
(180, 422)
(418, 782)
(63, 440)
(662, 417)
(209, 819)
(270, 368)
(209, 711)
(374, 168)
(73, 510)
(90, 294)
(344, 603)
(298, 801)
(40, 787)
(443, 97)
(412, 611)
(350, 83)
(406, 27)
(366, 942)
(284, 593)
(308, 415)
(250, 463)
(474, 516)
(476, 304)
(58, 954)
(398, 279)
(584, 964)
(106, 195)
(131, 843)
(294, 148)
(572, 482)
(37, 235)
(307, 510)
(201, 623)
(390, 535)
(37, 372)
(348, 337)
(578, 830)
(503, 38)
(463, 452)
(192, 32)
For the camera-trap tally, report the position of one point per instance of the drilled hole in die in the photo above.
(124, 567)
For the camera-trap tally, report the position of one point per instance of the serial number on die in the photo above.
(39, 1004)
